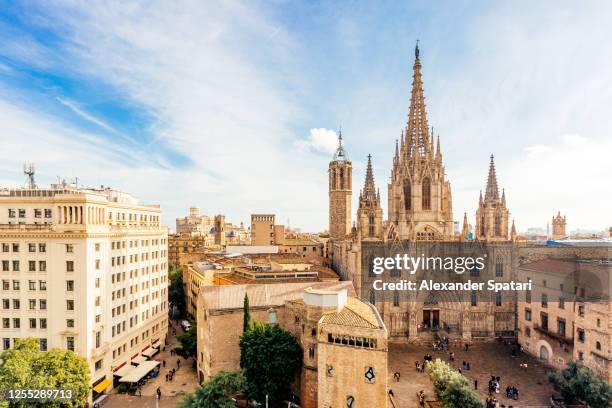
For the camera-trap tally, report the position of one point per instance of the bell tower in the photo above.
(340, 193)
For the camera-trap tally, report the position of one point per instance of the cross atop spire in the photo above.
(492, 192)
(340, 154)
(417, 129)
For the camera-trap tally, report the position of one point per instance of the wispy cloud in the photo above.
(87, 116)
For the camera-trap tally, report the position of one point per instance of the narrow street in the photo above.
(184, 382)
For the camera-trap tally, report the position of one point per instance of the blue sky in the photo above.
(233, 105)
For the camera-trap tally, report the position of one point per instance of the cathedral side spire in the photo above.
(369, 189)
(369, 213)
(492, 191)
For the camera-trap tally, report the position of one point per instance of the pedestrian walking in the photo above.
(166, 377)
(158, 392)
(164, 363)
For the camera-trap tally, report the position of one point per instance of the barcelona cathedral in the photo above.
(420, 221)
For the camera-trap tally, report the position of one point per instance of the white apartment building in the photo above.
(85, 270)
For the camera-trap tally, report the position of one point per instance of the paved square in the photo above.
(486, 359)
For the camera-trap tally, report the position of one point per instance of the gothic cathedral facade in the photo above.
(419, 213)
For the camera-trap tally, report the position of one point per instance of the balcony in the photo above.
(553, 335)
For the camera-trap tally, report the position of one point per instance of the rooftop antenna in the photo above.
(29, 170)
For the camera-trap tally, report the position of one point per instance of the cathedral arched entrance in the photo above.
(431, 318)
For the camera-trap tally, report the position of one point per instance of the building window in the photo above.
(42, 266)
(42, 343)
(581, 335)
(581, 310)
(527, 332)
(70, 323)
(373, 296)
(32, 247)
(474, 298)
(407, 195)
(528, 296)
(6, 343)
(544, 320)
(499, 266)
(580, 356)
(42, 285)
(32, 323)
(598, 345)
(69, 266)
(544, 300)
(498, 226)
(70, 304)
(561, 327)
(16, 266)
(70, 343)
(15, 247)
(69, 248)
(498, 299)
(98, 338)
(70, 285)
(528, 314)
(48, 213)
(42, 247)
(396, 299)
(98, 365)
(22, 213)
(32, 266)
(561, 303)
(426, 199)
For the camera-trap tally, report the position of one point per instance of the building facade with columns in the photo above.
(83, 270)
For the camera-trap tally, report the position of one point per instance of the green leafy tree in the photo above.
(452, 388)
(217, 391)
(176, 292)
(246, 319)
(578, 383)
(25, 366)
(271, 359)
(189, 342)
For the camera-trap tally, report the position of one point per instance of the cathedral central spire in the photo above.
(417, 129)
(492, 192)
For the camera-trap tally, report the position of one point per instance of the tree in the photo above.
(450, 387)
(176, 293)
(246, 319)
(217, 391)
(578, 383)
(25, 366)
(189, 342)
(271, 359)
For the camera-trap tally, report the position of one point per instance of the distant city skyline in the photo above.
(242, 118)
